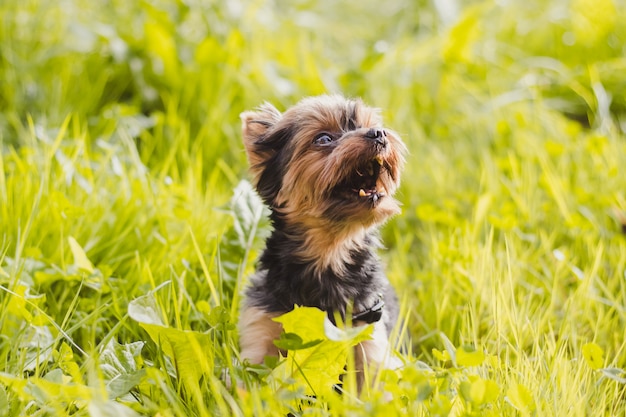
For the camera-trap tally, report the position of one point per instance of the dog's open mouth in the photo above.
(364, 184)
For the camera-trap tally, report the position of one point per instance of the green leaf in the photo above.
(81, 261)
(110, 409)
(291, 341)
(594, 355)
(248, 212)
(442, 356)
(520, 397)
(124, 383)
(449, 348)
(68, 364)
(489, 389)
(122, 357)
(120, 365)
(250, 227)
(306, 322)
(318, 361)
(54, 387)
(190, 351)
(440, 405)
(616, 374)
(479, 391)
(37, 342)
(469, 356)
(219, 317)
(17, 305)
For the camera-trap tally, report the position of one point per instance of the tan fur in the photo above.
(257, 334)
(306, 164)
(372, 355)
(329, 246)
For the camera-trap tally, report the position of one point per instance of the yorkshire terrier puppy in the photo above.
(328, 170)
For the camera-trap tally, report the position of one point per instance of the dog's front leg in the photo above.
(373, 355)
(257, 332)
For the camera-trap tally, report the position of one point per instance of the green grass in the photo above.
(126, 234)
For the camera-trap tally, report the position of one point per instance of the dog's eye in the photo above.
(323, 139)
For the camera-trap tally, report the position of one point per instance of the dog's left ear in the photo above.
(255, 126)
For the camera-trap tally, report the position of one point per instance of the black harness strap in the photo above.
(369, 316)
(372, 314)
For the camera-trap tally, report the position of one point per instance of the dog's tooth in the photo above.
(379, 159)
(362, 193)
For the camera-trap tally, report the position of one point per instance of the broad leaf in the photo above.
(110, 409)
(247, 210)
(449, 348)
(520, 397)
(469, 356)
(190, 351)
(479, 391)
(319, 360)
(250, 227)
(594, 355)
(291, 341)
(120, 365)
(53, 387)
(442, 356)
(81, 260)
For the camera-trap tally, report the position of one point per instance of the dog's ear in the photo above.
(264, 137)
(255, 126)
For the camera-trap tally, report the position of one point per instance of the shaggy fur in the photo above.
(328, 171)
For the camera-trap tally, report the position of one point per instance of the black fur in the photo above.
(283, 281)
(271, 179)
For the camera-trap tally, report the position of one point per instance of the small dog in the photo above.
(328, 170)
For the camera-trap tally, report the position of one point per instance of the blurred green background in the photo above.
(174, 75)
(426, 63)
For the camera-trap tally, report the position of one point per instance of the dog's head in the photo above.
(326, 159)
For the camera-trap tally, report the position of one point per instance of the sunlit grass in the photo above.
(126, 234)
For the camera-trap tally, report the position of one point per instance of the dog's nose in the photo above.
(377, 134)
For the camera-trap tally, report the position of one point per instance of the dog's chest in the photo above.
(280, 284)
